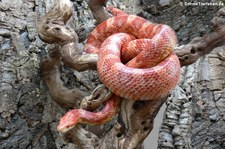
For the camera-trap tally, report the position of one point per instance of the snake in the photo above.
(135, 61)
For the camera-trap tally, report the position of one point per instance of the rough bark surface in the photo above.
(28, 116)
(194, 117)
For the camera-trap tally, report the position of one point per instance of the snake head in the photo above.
(68, 121)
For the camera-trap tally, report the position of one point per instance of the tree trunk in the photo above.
(194, 116)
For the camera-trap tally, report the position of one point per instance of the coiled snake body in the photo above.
(136, 61)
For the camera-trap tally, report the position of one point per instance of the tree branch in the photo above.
(136, 118)
(200, 46)
(82, 138)
(52, 26)
(98, 11)
(72, 58)
(68, 98)
(53, 29)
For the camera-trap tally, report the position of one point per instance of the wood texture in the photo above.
(28, 116)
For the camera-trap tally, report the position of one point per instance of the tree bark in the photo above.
(28, 116)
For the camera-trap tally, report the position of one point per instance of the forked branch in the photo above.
(135, 119)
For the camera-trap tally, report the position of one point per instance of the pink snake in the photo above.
(151, 69)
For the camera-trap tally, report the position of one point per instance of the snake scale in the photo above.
(136, 61)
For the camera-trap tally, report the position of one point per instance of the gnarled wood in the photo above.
(200, 46)
(135, 119)
(50, 70)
